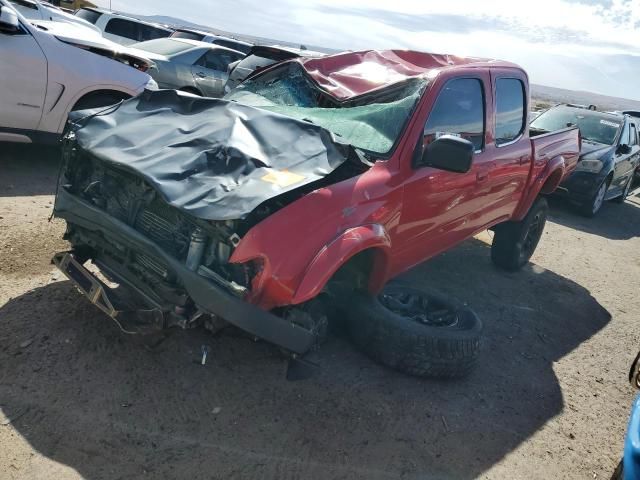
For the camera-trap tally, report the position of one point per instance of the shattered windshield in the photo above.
(594, 126)
(372, 125)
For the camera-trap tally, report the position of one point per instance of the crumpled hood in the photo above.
(212, 158)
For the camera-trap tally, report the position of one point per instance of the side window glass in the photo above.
(147, 32)
(122, 28)
(510, 120)
(216, 60)
(458, 110)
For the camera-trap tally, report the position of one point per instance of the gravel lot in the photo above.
(549, 399)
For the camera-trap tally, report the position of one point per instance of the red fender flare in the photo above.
(556, 164)
(336, 253)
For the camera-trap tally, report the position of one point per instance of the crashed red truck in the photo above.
(316, 179)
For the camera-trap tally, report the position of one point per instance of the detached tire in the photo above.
(431, 337)
(514, 242)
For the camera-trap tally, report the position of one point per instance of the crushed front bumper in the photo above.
(208, 296)
(130, 320)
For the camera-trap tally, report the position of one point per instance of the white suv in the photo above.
(122, 29)
(48, 69)
(36, 10)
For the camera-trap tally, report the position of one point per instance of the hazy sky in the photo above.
(589, 45)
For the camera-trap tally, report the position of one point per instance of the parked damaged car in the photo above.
(310, 186)
(189, 65)
(609, 156)
(259, 58)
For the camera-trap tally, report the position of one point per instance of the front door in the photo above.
(441, 208)
(625, 161)
(23, 80)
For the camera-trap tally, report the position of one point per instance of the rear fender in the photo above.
(544, 182)
(335, 254)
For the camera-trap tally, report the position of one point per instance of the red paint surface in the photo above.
(351, 74)
(405, 215)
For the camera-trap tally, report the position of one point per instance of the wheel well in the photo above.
(99, 98)
(552, 182)
(357, 272)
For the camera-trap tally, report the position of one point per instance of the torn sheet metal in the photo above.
(352, 74)
(212, 158)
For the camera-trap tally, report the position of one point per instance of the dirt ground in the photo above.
(549, 399)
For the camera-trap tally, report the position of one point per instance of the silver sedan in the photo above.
(189, 65)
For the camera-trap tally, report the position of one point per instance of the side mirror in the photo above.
(448, 152)
(623, 149)
(8, 20)
(634, 373)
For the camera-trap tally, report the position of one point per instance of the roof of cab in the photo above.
(350, 74)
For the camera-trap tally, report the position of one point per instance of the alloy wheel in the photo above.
(420, 308)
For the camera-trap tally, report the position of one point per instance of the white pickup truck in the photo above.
(50, 68)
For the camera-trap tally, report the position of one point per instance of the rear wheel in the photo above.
(415, 331)
(514, 242)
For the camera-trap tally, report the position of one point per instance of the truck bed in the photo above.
(547, 146)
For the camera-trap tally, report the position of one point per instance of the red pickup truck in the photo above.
(317, 178)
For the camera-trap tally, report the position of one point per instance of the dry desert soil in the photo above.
(549, 398)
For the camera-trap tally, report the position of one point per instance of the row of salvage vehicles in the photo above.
(367, 176)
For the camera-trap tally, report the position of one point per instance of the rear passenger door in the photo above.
(210, 72)
(510, 146)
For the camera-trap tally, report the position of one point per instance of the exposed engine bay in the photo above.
(159, 190)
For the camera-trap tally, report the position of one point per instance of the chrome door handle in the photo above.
(201, 75)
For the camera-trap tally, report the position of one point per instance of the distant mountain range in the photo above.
(603, 102)
(176, 22)
(538, 92)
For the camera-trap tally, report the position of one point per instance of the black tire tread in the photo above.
(409, 347)
(505, 249)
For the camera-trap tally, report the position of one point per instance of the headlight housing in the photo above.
(591, 166)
